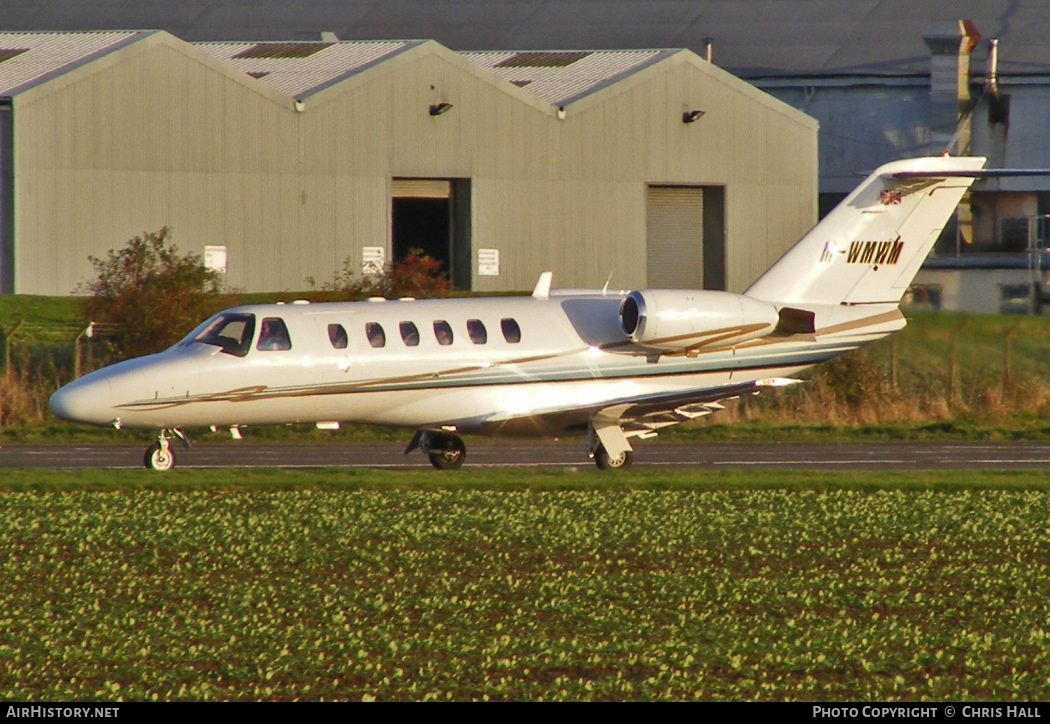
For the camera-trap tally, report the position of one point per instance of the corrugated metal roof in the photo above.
(299, 72)
(301, 68)
(282, 50)
(752, 38)
(543, 59)
(560, 78)
(33, 57)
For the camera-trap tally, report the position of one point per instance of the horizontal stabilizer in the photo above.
(979, 173)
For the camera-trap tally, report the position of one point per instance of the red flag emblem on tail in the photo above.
(891, 197)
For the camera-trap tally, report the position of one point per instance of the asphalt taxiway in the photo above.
(554, 454)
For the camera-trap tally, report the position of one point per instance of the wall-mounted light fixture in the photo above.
(438, 109)
(690, 116)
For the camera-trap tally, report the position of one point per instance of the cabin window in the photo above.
(443, 332)
(337, 336)
(511, 330)
(273, 335)
(476, 330)
(231, 332)
(409, 334)
(376, 335)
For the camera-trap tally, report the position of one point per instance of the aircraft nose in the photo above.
(84, 401)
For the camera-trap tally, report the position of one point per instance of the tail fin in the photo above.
(870, 247)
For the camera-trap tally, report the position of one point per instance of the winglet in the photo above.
(543, 286)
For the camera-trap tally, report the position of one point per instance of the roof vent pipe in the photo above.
(950, 43)
(991, 81)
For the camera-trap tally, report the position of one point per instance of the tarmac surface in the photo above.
(552, 454)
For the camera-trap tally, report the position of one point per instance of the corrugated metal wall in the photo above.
(159, 134)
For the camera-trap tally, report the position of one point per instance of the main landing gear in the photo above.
(445, 449)
(607, 445)
(605, 461)
(159, 455)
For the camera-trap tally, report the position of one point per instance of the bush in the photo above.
(147, 295)
(414, 275)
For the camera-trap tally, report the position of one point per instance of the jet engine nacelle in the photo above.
(689, 321)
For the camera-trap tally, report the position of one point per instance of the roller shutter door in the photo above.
(675, 237)
(420, 188)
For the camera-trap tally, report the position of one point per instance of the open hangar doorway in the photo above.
(433, 215)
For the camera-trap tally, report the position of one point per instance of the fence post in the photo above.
(7, 348)
(893, 363)
(951, 361)
(88, 331)
(1007, 343)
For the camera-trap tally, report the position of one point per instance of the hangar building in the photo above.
(280, 160)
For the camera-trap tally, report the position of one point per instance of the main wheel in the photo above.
(447, 452)
(159, 459)
(605, 461)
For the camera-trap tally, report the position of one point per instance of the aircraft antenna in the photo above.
(543, 286)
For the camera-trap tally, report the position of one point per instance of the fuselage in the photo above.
(513, 365)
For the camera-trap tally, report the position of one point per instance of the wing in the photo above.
(647, 414)
(643, 416)
(633, 416)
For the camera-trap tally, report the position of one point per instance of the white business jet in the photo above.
(608, 366)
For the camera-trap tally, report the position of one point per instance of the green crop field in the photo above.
(334, 584)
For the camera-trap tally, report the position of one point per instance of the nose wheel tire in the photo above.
(158, 458)
(605, 461)
(447, 452)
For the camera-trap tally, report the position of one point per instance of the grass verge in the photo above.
(230, 480)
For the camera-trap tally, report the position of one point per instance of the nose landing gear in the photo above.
(159, 455)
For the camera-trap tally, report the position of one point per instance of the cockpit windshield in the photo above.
(232, 332)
